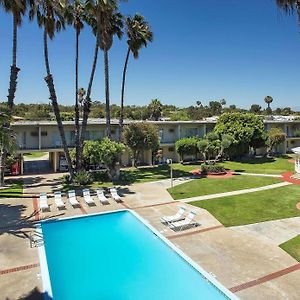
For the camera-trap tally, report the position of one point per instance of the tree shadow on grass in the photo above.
(147, 174)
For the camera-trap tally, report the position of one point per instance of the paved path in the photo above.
(234, 193)
(277, 231)
(258, 174)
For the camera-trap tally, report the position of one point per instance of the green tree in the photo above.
(138, 35)
(7, 144)
(49, 16)
(110, 155)
(242, 127)
(275, 137)
(215, 107)
(255, 109)
(187, 146)
(155, 109)
(139, 137)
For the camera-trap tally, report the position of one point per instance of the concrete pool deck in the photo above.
(245, 259)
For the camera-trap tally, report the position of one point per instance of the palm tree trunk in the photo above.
(53, 98)
(87, 102)
(122, 94)
(77, 127)
(14, 70)
(107, 100)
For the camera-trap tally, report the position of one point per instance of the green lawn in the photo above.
(206, 186)
(35, 154)
(292, 247)
(14, 191)
(262, 165)
(256, 207)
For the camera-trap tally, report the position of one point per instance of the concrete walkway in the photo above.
(234, 193)
(277, 231)
(258, 174)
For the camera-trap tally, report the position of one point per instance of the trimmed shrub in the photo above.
(207, 169)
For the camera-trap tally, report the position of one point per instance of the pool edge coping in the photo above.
(46, 283)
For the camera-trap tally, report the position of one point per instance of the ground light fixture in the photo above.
(170, 162)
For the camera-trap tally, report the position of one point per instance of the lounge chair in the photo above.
(174, 218)
(58, 201)
(72, 198)
(187, 222)
(101, 196)
(87, 197)
(115, 195)
(43, 203)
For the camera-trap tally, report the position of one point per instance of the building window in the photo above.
(44, 133)
(34, 133)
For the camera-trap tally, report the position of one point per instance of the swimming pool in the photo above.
(117, 256)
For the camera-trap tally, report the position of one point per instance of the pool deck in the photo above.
(245, 259)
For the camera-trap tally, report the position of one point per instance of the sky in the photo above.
(203, 50)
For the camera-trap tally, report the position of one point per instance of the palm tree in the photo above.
(74, 15)
(91, 21)
(49, 15)
(17, 9)
(138, 35)
(109, 22)
(268, 100)
(289, 6)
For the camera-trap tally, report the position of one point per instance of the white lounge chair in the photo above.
(87, 197)
(175, 218)
(43, 203)
(101, 196)
(187, 222)
(58, 201)
(72, 198)
(115, 195)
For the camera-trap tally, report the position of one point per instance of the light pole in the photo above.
(170, 162)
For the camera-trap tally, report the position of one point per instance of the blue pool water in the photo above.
(115, 256)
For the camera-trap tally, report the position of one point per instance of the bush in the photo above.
(101, 176)
(83, 178)
(66, 179)
(206, 169)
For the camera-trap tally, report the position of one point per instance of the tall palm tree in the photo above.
(17, 9)
(50, 17)
(87, 101)
(268, 100)
(138, 35)
(109, 22)
(75, 15)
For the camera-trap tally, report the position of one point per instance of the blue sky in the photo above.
(203, 50)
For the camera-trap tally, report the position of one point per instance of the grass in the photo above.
(292, 247)
(15, 190)
(35, 154)
(206, 186)
(255, 207)
(262, 165)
